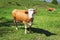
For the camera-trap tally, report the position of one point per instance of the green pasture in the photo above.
(46, 25)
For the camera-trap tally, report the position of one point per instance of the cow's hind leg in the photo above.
(15, 23)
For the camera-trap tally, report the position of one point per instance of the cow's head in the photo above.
(31, 13)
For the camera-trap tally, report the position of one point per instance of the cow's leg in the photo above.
(25, 29)
(15, 23)
(25, 24)
(30, 25)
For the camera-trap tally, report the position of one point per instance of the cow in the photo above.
(51, 9)
(25, 16)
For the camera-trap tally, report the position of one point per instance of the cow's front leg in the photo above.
(25, 24)
(25, 29)
(30, 25)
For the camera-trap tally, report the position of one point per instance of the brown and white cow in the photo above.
(51, 9)
(25, 16)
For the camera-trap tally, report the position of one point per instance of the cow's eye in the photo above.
(26, 12)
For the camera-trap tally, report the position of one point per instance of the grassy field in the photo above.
(46, 25)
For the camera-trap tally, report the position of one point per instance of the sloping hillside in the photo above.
(46, 25)
(26, 3)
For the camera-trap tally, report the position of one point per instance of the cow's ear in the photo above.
(35, 11)
(26, 12)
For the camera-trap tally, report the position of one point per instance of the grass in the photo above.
(46, 25)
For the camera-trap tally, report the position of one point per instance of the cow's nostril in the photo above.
(31, 18)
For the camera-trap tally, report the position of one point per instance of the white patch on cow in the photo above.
(30, 23)
(16, 28)
(31, 13)
(25, 29)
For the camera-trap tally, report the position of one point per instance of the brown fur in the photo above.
(51, 9)
(21, 16)
(18, 14)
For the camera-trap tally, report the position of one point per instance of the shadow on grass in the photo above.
(8, 22)
(41, 31)
(6, 31)
(6, 26)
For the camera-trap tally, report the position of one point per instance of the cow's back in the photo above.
(20, 15)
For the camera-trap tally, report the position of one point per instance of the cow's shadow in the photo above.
(41, 31)
(5, 25)
(8, 22)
